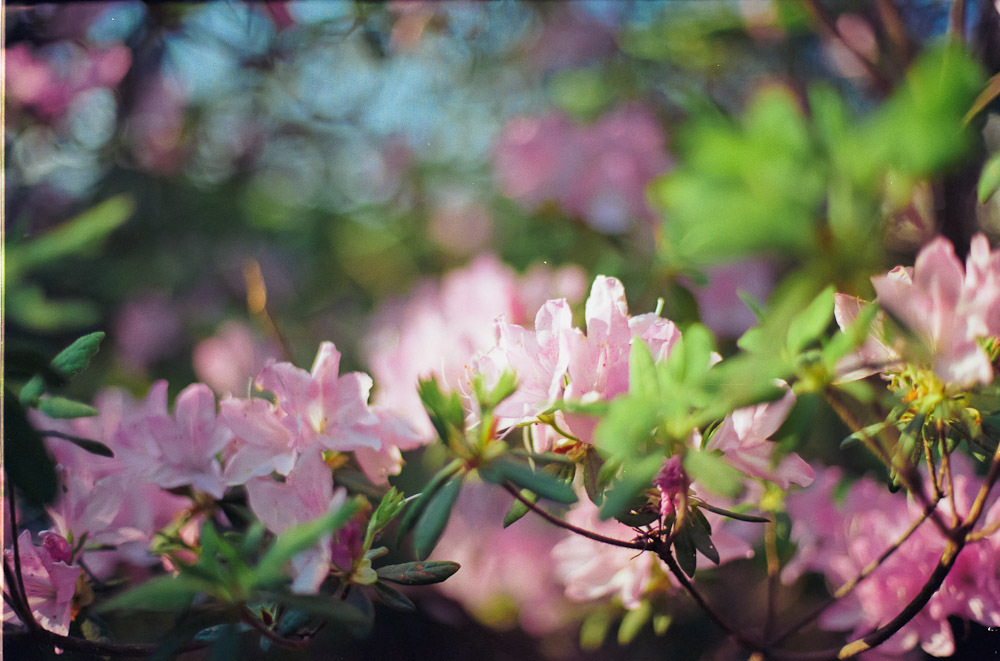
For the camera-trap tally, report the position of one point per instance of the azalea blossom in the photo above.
(306, 494)
(49, 582)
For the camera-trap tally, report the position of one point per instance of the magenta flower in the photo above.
(49, 582)
(322, 406)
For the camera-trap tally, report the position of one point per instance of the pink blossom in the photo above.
(877, 354)
(229, 360)
(322, 406)
(147, 329)
(935, 303)
(261, 442)
(507, 574)
(181, 449)
(598, 172)
(719, 302)
(49, 582)
(442, 329)
(306, 494)
(594, 570)
(598, 365)
(744, 439)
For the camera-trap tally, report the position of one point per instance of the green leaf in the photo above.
(26, 461)
(62, 408)
(810, 324)
(989, 180)
(418, 573)
(594, 630)
(228, 645)
(331, 609)
(685, 551)
(75, 358)
(76, 235)
(635, 478)
(505, 387)
(712, 472)
(633, 622)
(701, 536)
(31, 391)
(393, 598)
(391, 504)
(435, 517)
(445, 411)
(301, 537)
(166, 594)
(544, 484)
(417, 507)
(592, 482)
(518, 509)
(642, 371)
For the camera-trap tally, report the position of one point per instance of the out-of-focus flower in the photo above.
(841, 540)
(229, 360)
(572, 37)
(719, 303)
(598, 172)
(507, 574)
(49, 582)
(148, 328)
(460, 224)
(306, 494)
(48, 81)
(440, 330)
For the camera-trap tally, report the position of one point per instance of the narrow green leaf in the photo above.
(435, 517)
(228, 645)
(301, 537)
(166, 594)
(26, 461)
(806, 327)
(685, 551)
(393, 598)
(633, 481)
(661, 623)
(594, 630)
(445, 410)
(544, 484)
(31, 391)
(418, 573)
(62, 408)
(701, 536)
(419, 504)
(518, 509)
(343, 614)
(592, 483)
(633, 622)
(989, 180)
(712, 472)
(642, 371)
(75, 358)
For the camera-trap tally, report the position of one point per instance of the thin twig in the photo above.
(773, 570)
(270, 634)
(639, 546)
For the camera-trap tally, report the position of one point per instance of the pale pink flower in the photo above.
(396, 435)
(877, 354)
(594, 570)
(49, 582)
(934, 302)
(229, 360)
(598, 365)
(323, 406)
(506, 573)
(261, 442)
(306, 494)
(533, 158)
(744, 437)
(180, 449)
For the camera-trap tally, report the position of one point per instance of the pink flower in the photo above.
(49, 582)
(261, 442)
(147, 329)
(877, 354)
(598, 365)
(322, 406)
(229, 360)
(744, 438)
(181, 449)
(935, 302)
(719, 303)
(595, 570)
(305, 495)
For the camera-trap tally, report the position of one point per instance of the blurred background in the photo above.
(219, 184)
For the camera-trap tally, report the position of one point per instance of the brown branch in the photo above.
(555, 520)
(956, 21)
(270, 634)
